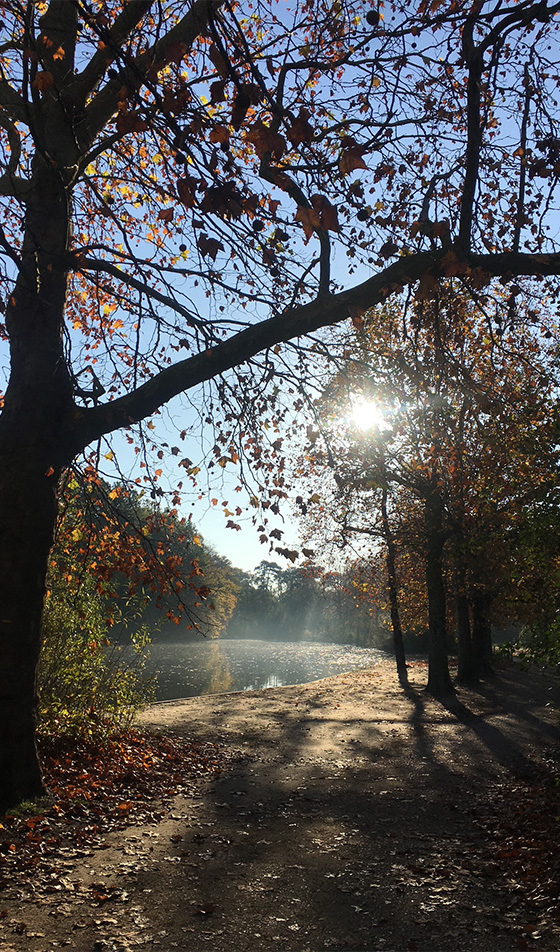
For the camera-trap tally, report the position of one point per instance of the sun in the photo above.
(368, 415)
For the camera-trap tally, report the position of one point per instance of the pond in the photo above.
(218, 667)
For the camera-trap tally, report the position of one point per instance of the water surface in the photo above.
(217, 667)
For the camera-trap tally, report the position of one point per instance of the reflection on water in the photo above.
(217, 667)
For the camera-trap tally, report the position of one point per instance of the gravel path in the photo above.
(357, 819)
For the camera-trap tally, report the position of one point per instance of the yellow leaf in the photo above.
(110, 455)
(197, 540)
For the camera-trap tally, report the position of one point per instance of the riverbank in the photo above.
(357, 818)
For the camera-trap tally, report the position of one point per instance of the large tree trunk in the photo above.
(36, 420)
(439, 681)
(27, 517)
(398, 645)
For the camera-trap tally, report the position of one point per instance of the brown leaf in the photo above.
(186, 189)
(309, 219)
(328, 217)
(265, 140)
(389, 249)
(219, 61)
(356, 316)
(300, 130)
(351, 156)
(290, 554)
(239, 111)
(43, 80)
(219, 134)
(209, 246)
(428, 288)
(217, 91)
(130, 122)
(175, 52)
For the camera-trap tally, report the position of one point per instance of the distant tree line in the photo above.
(304, 604)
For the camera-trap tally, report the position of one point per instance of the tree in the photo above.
(457, 426)
(175, 180)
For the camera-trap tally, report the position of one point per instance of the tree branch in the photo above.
(93, 423)
(86, 82)
(134, 74)
(11, 184)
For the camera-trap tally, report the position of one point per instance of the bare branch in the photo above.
(296, 322)
(134, 75)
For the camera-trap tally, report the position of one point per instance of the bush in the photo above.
(89, 684)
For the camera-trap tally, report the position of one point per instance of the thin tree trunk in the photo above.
(398, 645)
(466, 668)
(439, 681)
(482, 632)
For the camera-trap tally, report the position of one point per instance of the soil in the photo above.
(357, 817)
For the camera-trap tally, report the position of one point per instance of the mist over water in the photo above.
(220, 666)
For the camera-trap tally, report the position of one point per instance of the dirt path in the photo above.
(355, 821)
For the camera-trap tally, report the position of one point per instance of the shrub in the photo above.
(89, 684)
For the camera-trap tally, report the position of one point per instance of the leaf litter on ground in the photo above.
(97, 787)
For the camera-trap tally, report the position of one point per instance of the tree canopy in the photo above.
(186, 187)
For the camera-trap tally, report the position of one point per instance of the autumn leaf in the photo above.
(389, 249)
(130, 121)
(186, 190)
(351, 156)
(217, 91)
(209, 247)
(239, 111)
(290, 554)
(219, 134)
(356, 315)
(165, 214)
(43, 80)
(264, 140)
(428, 287)
(328, 218)
(175, 52)
(300, 130)
(219, 62)
(309, 218)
